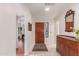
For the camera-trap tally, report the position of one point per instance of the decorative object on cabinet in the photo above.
(29, 27)
(77, 33)
(69, 21)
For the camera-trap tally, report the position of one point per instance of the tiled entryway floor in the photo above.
(51, 52)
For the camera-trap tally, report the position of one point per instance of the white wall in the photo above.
(22, 10)
(61, 20)
(8, 13)
(50, 41)
(7, 29)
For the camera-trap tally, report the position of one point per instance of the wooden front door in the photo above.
(39, 33)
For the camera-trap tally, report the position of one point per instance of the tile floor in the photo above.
(51, 52)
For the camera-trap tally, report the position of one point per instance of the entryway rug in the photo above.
(40, 47)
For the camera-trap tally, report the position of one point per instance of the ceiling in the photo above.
(38, 12)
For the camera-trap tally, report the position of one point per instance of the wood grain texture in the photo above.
(67, 46)
(39, 32)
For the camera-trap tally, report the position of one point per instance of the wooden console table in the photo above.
(67, 45)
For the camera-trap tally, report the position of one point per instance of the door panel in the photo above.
(39, 32)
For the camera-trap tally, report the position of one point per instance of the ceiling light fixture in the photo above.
(47, 9)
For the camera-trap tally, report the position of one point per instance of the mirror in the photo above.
(69, 21)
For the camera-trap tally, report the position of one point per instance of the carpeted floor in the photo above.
(51, 51)
(40, 47)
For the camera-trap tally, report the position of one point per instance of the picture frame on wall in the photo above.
(29, 26)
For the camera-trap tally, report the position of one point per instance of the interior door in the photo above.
(39, 32)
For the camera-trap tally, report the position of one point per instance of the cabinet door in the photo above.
(66, 51)
(72, 52)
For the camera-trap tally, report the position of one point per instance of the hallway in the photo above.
(41, 23)
(58, 29)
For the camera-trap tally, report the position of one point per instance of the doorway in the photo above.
(20, 35)
(39, 32)
(39, 37)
